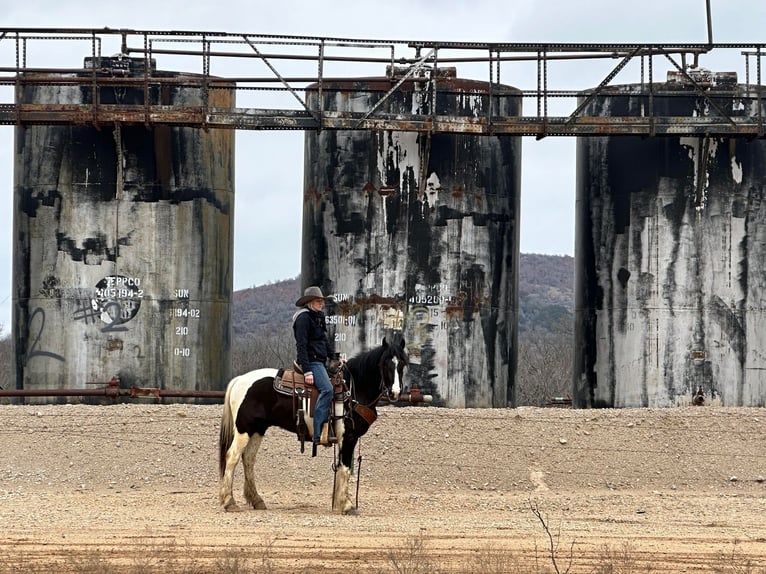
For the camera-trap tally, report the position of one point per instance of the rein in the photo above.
(367, 411)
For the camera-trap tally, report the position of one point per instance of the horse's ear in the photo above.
(385, 343)
(402, 343)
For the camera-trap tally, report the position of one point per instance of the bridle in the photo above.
(385, 389)
(366, 411)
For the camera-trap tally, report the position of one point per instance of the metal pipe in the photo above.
(111, 392)
(414, 397)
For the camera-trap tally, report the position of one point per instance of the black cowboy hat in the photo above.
(310, 294)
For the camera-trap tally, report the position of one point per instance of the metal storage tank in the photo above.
(124, 243)
(670, 253)
(416, 235)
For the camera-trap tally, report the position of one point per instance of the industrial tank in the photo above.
(416, 235)
(122, 266)
(669, 255)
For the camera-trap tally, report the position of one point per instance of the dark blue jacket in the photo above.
(311, 342)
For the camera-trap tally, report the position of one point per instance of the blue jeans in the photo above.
(324, 386)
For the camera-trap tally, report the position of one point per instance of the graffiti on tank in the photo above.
(33, 350)
(419, 321)
(421, 315)
(184, 314)
(429, 312)
(51, 288)
(117, 300)
(86, 312)
(393, 319)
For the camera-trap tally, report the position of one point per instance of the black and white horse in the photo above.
(252, 405)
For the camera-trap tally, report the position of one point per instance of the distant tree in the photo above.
(544, 367)
(271, 349)
(6, 360)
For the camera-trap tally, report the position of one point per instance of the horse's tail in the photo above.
(226, 434)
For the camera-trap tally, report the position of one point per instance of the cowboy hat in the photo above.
(309, 294)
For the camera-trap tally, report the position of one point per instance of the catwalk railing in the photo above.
(273, 77)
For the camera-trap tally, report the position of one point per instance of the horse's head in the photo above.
(392, 364)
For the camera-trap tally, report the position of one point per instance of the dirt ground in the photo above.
(135, 487)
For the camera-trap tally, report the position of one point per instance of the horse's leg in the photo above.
(248, 462)
(225, 495)
(342, 500)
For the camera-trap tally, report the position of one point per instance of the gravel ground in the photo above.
(135, 486)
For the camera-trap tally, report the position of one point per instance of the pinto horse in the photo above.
(252, 405)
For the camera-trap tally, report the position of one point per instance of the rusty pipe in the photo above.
(113, 392)
(414, 397)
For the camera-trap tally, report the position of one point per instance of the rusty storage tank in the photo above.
(670, 254)
(124, 243)
(417, 236)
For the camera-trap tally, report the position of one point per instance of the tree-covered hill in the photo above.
(546, 297)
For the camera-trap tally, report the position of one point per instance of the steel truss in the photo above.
(275, 74)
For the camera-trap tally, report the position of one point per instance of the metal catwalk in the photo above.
(274, 78)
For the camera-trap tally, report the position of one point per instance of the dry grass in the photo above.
(734, 562)
(413, 557)
(155, 558)
(620, 560)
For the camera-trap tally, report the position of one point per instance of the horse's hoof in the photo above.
(351, 511)
(232, 507)
(260, 505)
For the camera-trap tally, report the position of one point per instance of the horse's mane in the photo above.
(368, 361)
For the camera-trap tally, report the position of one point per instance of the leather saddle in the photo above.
(290, 382)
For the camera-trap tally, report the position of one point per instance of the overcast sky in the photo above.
(269, 164)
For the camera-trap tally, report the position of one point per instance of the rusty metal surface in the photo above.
(253, 119)
(260, 67)
(114, 393)
(123, 250)
(416, 236)
(669, 261)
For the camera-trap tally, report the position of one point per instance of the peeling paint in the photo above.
(736, 170)
(135, 284)
(435, 260)
(669, 248)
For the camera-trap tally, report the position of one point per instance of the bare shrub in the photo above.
(544, 365)
(239, 563)
(274, 350)
(734, 562)
(6, 360)
(553, 540)
(411, 558)
(620, 560)
(257, 560)
(89, 563)
(22, 563)
(491, 560)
